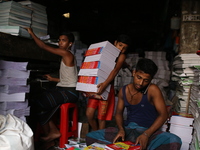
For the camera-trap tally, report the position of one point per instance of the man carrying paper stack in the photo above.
(106, 107)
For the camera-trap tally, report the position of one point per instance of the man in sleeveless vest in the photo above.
(146, 113)
(65, 91)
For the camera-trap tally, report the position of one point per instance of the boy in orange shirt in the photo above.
(106, 107)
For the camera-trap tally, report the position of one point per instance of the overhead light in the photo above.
(66, 15)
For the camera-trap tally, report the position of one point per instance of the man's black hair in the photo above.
(70, 36)
(147, 66)
(124, 39)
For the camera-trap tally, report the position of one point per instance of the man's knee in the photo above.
(175, 139)
(165, 140)
(95, 136)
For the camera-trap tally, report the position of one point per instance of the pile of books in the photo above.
(194, 108)
(14, 88)
(181, 124)
(183, 73)
(13, 17)
(39, 22)
(99, 61)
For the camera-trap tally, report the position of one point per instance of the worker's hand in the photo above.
(142, 140)
(48, 77)
(92, 95)
(120, 136)
(28, 29)
(101, 87)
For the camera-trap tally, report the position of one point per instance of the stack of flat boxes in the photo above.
(14, 88)
(181, 124)
(98, 63)
(39, 22)
(14, 16)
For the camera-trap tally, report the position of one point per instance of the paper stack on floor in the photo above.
(39, 22)
(14, 16)
(14, 88)
(183, 74)
(181, 124)
(194, 108)
(98, 63)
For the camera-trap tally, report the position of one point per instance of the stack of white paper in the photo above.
(14, 16)
(39, 22)
(181, 124)
(98, 63)
(186, 60)
(161, 55)
(184, 74)
(194, 108)
(14, 88)
(15, 30)
(13, 13)
(18, 109)
(159, 58)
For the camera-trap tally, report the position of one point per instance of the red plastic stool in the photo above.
(65, 129)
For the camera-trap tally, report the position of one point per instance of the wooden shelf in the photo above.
(16, 47)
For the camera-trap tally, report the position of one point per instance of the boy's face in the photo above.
(63, 42)
(141, 79)
(121, 46)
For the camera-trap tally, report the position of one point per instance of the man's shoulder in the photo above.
(153, 87)
(153, 90)
(121, 56)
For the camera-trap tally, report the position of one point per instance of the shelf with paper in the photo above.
(39, 19)
(13, 81)
(15, 14)
(10, 89)
(8, 12)
(14, 5)
(15, 30)
(15, 97)
(12, 73)
(13, 65)
(34, 6)
(39, 25)
(13, 22)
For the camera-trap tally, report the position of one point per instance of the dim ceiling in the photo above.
(146, 21)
